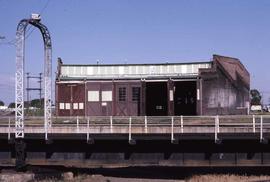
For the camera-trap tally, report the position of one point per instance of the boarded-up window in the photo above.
(106, 96)
(122, 94)
(80, 105)
(67, 105)
(75, 105)
(136, 92)
(93, 96)
(61, 105)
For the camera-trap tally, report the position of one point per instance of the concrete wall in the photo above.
(225, 87)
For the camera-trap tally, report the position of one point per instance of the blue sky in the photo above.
(140, 31)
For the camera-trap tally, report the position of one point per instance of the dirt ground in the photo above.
(196, 178)
(69, 177)
(135, 174)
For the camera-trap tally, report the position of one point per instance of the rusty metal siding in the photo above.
(128, 107)
(223, 87)
(121, 106)
(68, 93)
(92, 108)
(233, 69)
(100, 107)
(135, 106)
(64, 94)
(56, 99)
(106, 106)
(78, 97)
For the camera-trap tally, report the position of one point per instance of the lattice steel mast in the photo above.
(47, 76)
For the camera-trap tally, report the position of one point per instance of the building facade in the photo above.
(220, 86)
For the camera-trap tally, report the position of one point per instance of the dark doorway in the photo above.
(185, 98)
(156, 99)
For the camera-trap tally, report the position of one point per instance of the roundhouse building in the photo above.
(220, 86)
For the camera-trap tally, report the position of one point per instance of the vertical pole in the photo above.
(40, 88)
(253, 121)
(87, 131)
(145, 124)
(172, 127)
(217, 124)
(85, 98)
(20, 154)
(182, 124)
(27, 90)
(77, 124)
(19, 81)
(129, 130)
(111, 124)
(8, 128)
(216, 138)
(261, 129)
(201, 97)
(46, 130)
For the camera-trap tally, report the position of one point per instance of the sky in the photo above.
(138, 31)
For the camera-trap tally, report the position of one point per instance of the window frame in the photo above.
(122, 94)
(135, 93)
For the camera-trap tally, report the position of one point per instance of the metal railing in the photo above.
(130, 125)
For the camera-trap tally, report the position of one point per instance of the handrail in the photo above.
(173, 125)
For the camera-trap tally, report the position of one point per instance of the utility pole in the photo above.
(28, 89)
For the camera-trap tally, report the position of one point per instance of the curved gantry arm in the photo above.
(19, 84)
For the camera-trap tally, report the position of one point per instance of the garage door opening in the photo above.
(185, 98)
(156, 99)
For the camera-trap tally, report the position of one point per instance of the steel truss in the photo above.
(19, 77)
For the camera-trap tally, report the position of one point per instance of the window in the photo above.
(67, 106)
(106, 96)
(75, 105)
(61, 105)
(136, 93)
(122, 94)
(93, 96)
(80, 105)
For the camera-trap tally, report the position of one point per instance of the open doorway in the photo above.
(156, 99)
(185, 98)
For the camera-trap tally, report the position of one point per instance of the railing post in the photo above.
(129, 130)
(111, 124)
(172, 127)
(253, 122)
(145, 124)
(216, 130)
(261, 129)
(9, 128)
(217, 124)
(87, 131)
(77, 124)
(182, 124)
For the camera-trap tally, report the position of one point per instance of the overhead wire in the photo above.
(29, 31)
(41, 12)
